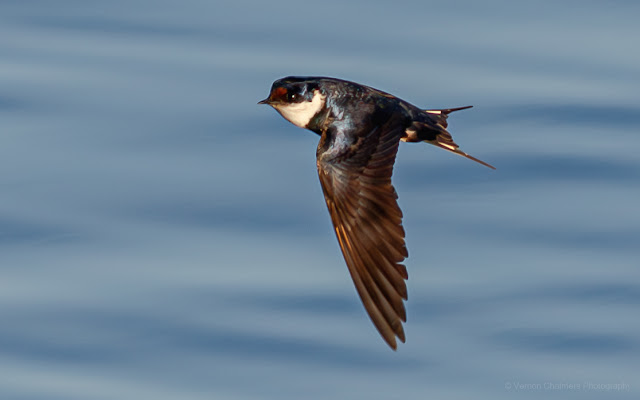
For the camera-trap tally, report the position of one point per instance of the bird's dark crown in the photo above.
(292, 90)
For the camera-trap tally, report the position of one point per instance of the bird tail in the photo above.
(447, 111)
(443, 138)
(444, 141)
(441, 114)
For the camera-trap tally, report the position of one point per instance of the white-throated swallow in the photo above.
(360, 129)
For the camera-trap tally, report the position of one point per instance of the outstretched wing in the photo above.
(355, 174)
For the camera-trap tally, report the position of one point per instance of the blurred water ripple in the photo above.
(163, 237)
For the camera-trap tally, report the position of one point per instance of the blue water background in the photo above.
(163, 237)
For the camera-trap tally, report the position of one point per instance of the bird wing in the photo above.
(356, 181)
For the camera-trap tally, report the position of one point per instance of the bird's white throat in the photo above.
(300, 114)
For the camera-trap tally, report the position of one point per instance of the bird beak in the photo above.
(265, 101)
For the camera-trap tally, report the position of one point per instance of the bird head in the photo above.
(298, 100)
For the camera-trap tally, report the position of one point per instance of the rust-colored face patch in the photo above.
(279, 94)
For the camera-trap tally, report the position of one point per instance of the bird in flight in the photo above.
(360, 129)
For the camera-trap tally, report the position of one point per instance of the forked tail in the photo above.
(454, 148)
(443, 138)
(447, 111)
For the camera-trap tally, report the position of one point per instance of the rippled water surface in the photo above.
(164, 237)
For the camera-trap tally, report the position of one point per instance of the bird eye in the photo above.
(293, 96)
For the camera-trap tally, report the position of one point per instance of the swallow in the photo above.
(360, 129)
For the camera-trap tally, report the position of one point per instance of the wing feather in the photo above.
(362, 202)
